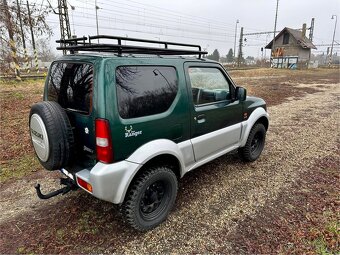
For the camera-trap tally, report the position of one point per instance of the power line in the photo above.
(327, 44)
(231, 25)
(156, 17)
(160, 25)
(145, 15)
(137, 9)
(192, 17)
(149, 32)
(259, 33)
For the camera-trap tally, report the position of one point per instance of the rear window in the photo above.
(145, 90)
(70, 84)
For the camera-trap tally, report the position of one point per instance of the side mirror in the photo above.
(240, 93)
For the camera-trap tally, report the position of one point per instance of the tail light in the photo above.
(103, 141)
(84, 184)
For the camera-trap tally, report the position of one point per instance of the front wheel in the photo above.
(150, 198)
(255, 143)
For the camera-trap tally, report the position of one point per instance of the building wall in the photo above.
(291, 43)
(304, 54)
(291, 49)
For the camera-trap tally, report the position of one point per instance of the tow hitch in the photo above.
(69, 185)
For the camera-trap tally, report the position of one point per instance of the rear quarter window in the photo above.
(71, 85)
(145, 90)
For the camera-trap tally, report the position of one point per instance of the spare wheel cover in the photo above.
(39, 137)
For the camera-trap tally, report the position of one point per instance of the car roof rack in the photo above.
(88, 44)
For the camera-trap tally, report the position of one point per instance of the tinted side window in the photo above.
(145, 90)
(70, 84)
(208, 85)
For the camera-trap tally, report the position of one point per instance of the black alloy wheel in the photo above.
(150, 198)
(152, 201)
(255, 143)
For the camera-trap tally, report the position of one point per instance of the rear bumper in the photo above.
(109, 181)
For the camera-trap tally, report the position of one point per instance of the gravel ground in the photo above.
(301, 132)
(212, 201)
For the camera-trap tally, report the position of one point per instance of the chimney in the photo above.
(304, 28)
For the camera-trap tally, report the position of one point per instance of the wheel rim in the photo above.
(153, 200)
(257, 143)
(39, 137)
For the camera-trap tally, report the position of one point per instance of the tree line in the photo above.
(229, 58)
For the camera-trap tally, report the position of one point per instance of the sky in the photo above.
(211, 24)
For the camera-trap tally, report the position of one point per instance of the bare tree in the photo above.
(45, 52)
(10, 27)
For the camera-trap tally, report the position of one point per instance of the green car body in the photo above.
(176, 124)
(161, 116)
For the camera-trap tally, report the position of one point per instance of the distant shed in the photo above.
(292, 48)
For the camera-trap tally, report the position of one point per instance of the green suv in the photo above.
(125, 122)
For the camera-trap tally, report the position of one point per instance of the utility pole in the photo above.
(240, 48)
(23, 38)
(311, 30)
(74, 30)
(33, 41)
(259, 33)
(331, 55)
(97, 18)
(237, 21)
(64, 22)
(275, 23)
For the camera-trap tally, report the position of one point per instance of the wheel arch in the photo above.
(263, 120)
(163, 160)
(259, 115)
(160, 152)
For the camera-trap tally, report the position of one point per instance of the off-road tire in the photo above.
(257, 134)
(134, 205)
(59, 134)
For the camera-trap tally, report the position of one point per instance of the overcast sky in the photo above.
(208, 23)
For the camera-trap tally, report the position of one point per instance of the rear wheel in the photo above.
(150, 198)
(255, 143)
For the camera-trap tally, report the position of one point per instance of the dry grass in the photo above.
(16, 155)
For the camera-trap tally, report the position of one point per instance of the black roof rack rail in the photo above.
(87, 44)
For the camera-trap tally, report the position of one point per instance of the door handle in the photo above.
(200, 118)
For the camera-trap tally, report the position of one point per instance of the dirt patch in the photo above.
(276, 86)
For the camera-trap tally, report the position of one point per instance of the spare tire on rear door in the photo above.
(51, 134)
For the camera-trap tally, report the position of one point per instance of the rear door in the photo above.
(215, 116)
(71, 85)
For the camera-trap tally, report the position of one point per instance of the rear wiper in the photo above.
(75, 110)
